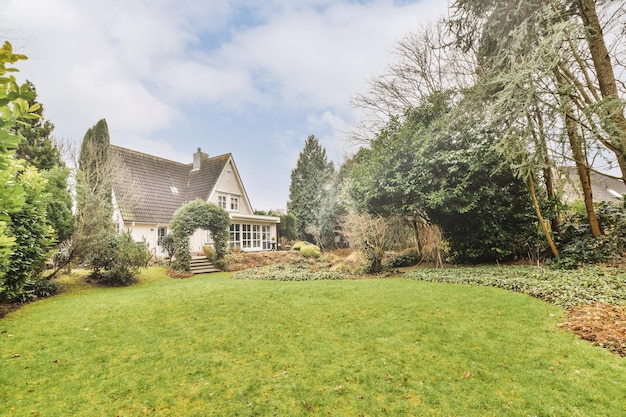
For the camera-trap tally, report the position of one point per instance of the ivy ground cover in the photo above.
(214, 346)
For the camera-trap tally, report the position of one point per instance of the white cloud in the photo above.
(150, 66)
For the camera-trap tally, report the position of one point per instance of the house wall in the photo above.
(233, 187)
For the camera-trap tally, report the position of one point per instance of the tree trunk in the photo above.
(606, 77)
(576, 146)
(583, 173)
(544, 227)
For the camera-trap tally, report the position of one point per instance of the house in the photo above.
(604, 188)
(148, 191)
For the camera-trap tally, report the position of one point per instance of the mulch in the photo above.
(602, 324)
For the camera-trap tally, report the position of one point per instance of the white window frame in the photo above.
(234, 203)
(222, 201)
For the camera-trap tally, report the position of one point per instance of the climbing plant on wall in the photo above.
(199, 215)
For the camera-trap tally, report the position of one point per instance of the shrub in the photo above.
(128, 257)
(37, 288)
(311, 251)
(167, 243)
(209, 252)
(577, 245)
(408, 258)
(299, 245)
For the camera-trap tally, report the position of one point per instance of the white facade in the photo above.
(248, 232)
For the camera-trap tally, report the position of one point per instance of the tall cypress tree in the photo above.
(309, 181)
(94, 224)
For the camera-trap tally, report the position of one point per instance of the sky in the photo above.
(247, 77)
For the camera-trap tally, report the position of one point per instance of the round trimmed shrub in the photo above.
(299, 245)
(311, 251)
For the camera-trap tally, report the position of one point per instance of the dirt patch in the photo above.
(9, 307)
(601, 324)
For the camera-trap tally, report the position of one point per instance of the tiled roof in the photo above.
(150, 189)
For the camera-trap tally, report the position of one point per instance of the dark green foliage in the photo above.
(58, 202)
(287, 227)
(199, 215)
(437, 163)
(578, 246)
(167, 243)
(563, 288)
(37, 288)
(118, 260)
(129, 257)
(94, 225)
(37, 147)
(32, 240)
(409, 258)
(309, 182)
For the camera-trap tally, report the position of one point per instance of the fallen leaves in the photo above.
(601, 324)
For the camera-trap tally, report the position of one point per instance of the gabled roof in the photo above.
(150, 189)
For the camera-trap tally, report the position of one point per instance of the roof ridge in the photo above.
(224, 155)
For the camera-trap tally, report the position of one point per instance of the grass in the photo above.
(214, 346)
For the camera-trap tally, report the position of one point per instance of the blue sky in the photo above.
(254, 78)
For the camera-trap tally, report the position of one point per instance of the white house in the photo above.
(150, 189)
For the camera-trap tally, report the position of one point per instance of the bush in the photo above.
(128, 257)
(299, 245)
(311, 251)
(408, 258)
(577, 245)
(209, 252)
(37, 288)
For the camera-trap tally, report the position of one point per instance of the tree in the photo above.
(310, 183)
(32, 235)
(38, 149)
(287, 227)
(13, 105)
(438, 166)
(94, 179)
(369, 234)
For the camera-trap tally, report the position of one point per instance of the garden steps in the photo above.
(202, 265)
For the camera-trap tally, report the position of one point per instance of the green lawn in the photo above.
(214, 346)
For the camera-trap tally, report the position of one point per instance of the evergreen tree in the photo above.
(94, 225)
(39, 150)
(37, 147)
(310, 182)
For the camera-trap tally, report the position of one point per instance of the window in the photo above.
(246, 236)
(208, 239)
(256, 235)
(161, 232)
(235, 235)
(234, 203)
(221, 201)
(228, 175)
(265, 237)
